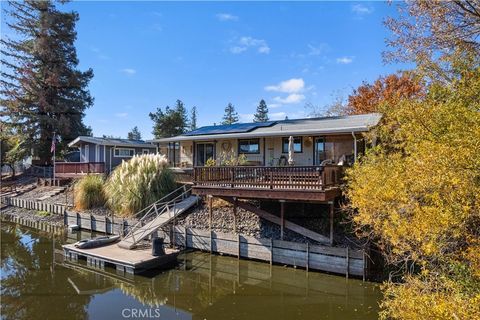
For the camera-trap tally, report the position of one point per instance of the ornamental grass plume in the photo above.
(89, 192)
(137, 183)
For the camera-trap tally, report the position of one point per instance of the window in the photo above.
(123, 152)
(145, 151)
(297, 145)
(248, 146)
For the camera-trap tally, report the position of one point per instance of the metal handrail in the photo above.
(160, 201)
(157, 211)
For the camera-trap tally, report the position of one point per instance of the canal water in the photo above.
(37, 283)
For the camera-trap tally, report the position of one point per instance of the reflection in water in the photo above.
(38, 283)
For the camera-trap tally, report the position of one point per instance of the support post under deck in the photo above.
(235, 215)
(282, 217)
(210, 210)
(331, 222)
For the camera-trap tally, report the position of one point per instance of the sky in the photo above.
(149, 54)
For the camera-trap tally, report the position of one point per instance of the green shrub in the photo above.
(139, 182)
(89, 192)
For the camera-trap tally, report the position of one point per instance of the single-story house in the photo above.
(316, 140)
(102, 155)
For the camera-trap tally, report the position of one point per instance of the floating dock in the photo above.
(124, 260)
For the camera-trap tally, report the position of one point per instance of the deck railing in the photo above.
(72, 168)
(295, 177)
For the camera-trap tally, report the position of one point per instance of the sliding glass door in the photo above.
(323, 150)
(204, 151)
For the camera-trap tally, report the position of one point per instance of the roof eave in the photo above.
(262, 134)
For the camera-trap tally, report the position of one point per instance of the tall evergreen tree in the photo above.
(134, 134)
(262, 112)
(193, 119)
(171, 122)
(230, 116)
(42, 91)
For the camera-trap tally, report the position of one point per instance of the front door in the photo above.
(205, 151)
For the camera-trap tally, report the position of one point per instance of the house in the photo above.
(101, 155)
(322, 147)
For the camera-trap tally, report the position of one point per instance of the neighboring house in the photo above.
(101, 155)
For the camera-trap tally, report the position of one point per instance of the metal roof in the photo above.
(308, 126)
(112, 142)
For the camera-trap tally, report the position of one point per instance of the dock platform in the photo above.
(124, 260)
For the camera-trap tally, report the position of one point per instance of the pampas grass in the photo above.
(89, 192)
(137, 183)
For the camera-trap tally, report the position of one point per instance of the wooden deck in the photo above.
(78, 169)
(130, 261)
(302, 183)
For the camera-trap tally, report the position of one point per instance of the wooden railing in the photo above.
(299, 178)
(73, 168)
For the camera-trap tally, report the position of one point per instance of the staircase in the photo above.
(158, 214)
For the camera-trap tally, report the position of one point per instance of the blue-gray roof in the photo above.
(112, 142)
(308, 126)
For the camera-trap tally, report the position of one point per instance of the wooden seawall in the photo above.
(331, 259)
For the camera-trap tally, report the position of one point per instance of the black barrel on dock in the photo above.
(157, 247)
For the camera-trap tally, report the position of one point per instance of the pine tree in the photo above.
(134, 134)
(262, 112)
(42, 90)
(230, 116)
(171, 122)
(193, 119)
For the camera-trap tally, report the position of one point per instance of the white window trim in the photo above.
(97, 153)
(119, 156)
(87, 153)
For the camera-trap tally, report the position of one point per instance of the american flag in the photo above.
(54, 140)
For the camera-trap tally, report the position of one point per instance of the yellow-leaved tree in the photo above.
(417, 194)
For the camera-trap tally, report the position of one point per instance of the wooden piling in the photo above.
(331, 222)
(347, 254)
(282, 217)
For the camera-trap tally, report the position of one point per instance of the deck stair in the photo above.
(159, 214)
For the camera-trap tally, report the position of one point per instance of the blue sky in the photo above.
(148, 54)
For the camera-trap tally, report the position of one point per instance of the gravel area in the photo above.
(252, 225)
(33, 215)
(36, 193)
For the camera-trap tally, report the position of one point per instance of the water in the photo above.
(37, 284)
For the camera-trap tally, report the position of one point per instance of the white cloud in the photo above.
(345, 60)
(121, 115)
(273, 105)
(129, 71)
(291, 98)
(288, 86)
(316, 50)
(248, 42)
(237, 49)
(361, 9)
(226, 17)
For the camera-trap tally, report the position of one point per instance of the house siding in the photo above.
(104, 154)
(270, 150)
